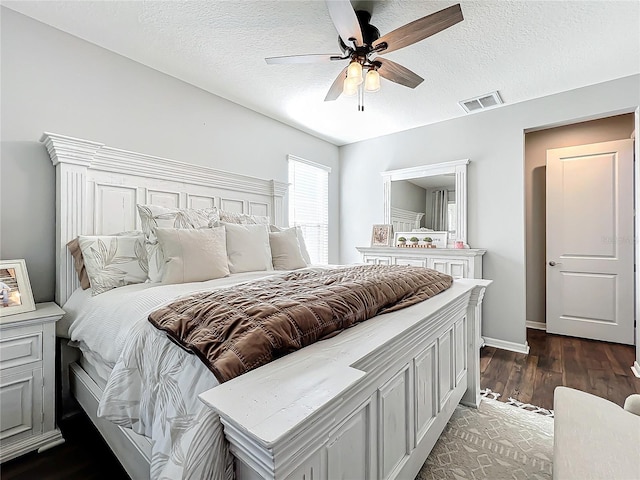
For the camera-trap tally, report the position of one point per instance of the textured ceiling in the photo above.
(524, 49)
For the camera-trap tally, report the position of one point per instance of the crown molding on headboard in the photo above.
(98, 187)
(64, 149)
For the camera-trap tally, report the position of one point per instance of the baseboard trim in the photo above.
(635, 368)
(536, 325)
(504, 345)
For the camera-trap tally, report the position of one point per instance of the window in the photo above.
(309, 205)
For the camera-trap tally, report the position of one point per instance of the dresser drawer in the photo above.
(20, 350)
(413, 262)
(377, 260)
(454, 267)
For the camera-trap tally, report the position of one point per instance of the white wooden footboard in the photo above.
(367, 404)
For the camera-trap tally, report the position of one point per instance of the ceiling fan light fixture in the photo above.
(349, 87)
(360, 43)
(354, 72)
(372, 81)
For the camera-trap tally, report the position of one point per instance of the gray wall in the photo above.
(52, 81)
(536, 145)
(494, 142)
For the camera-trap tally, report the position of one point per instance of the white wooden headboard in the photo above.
(405, 220)
(98, 187)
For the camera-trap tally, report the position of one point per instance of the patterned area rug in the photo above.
(495, 441)
(490, 394)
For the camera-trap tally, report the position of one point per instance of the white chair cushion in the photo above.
(594, 439)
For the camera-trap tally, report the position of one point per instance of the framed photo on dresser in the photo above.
(382, 235)
(15, 289)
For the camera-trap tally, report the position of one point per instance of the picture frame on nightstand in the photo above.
(15, 288)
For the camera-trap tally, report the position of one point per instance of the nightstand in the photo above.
(27, 381)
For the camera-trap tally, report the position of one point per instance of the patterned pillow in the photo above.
(78, 261)
(243, 218)
(155, 216)
(113, 261)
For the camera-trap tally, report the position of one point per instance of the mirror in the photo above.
(432, 197)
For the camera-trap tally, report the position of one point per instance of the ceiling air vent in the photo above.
(481, 102)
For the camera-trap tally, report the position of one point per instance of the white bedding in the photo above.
(154, 385)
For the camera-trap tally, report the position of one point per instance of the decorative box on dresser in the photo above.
(457, 262)
(27, 381)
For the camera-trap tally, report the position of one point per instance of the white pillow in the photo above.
(193, 255)
(248, 248)
(243, 218)
(155, 216)
(113, 261)
(285, 250)
(303, 246)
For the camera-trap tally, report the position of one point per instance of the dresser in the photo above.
(457, 262)
(27, 381)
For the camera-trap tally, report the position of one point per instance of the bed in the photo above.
(367, 403)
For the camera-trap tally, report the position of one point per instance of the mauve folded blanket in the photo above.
(237, 329)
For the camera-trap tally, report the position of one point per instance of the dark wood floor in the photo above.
(596, 367)
(83, 456)
(600, 368)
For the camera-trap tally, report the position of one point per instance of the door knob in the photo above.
(552, 263)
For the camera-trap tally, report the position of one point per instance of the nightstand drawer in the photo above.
(20, 350)
(21, 397)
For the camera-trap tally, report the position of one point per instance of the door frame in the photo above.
(636, 185)
(636, 205)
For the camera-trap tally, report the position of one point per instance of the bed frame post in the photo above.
(278, 191)
(72, 158)
(471, 397)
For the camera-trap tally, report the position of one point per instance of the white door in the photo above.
(590, 242)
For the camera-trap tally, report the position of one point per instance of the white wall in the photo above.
(52, 81)
(494, 142)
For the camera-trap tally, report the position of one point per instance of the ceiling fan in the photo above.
(362, 44)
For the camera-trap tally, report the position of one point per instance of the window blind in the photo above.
(309, 205)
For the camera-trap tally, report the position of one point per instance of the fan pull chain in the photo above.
(361, 98)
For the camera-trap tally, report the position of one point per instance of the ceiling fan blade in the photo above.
(336, 88)
(345, 20)
(314, 58)
(420, 29)
(397, 73)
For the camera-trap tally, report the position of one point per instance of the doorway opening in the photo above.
(619, 127)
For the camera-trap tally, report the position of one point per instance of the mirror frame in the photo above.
(457, 167)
